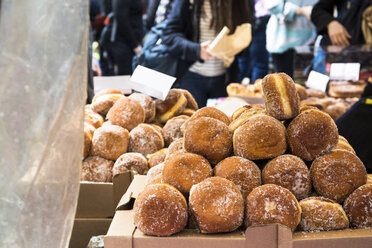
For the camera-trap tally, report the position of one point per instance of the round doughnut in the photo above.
(314, 102)
(106, 123)
(157, 157)
(212, 113)
(262, 137)
(337, 174)
(103, 103)
(289, 172)
(358, 206)
(301, 91)
(172, 129)
(126, 113)
(343, 144)
(130, 161)
(257, 88)
(217, 205)
(183, 170)
(158, 128)
(87, 142)
(89, 127)
(315, 93)
(245, 108)
(191, 103)
(110, 142)
(160, 210)
(145, 139)
(307, 108)
(281, 97)
(235, 89)
(320, 214)
(245, 116)
(105, 92)
(244, 173)
(147, 104)
(176, 146)
(91, 117)
(96, 169)
(208, 137)
(173, 105)
(188, 112)
(311, 134)
(154, 175)
(270, 204)
(335, 110)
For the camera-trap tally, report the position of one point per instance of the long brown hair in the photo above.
(230, 13)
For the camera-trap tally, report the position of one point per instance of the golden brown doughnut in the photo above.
(250, 111)
(217, 205)
(91, 117)
(130, 161)
(314, 102)
(235, 89)
(208, 137)
(172, 129)
(96, 169)
(244, 173)
(103, 103)
(301, 91)
(343, 144)
(154, 175)
(106, 123)
(262, 137)
(173, 105)
(270, 204)
(335, 110)
(176, 146)
(337, 174)
(110, 142)
(289, 172)
(160, 210)
(147, 104)
(87, 142)
(311, 134)
(191, 103)
(257, 88)
(281, 97)
(245, 108)
(358, 206)
(345, 90)
(320, 214)
(89, 127)
(145, 139)
(315, 93)
(307, 108)
(188, 112)
(212, 113)
(157, 157)
(183, 170)
(105, 92)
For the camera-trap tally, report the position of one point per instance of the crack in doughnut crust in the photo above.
(358, 206)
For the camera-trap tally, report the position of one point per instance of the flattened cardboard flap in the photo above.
(136, 187)
(121, 183)
(268, 236)
(121, 230)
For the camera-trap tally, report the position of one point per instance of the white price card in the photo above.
(317, 81)
(345, 71)
(151, 82)
(115, 82)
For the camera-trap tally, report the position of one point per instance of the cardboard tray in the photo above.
(99, 200)
(123, 233)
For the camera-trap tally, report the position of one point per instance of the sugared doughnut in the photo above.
(262, 137)
(301, 91)
(281, 97)
(147, 104)
(217, 205)
(173, 105)
(191, 103)
(315, 93)
(257, 88)
(158, 128)
(183, 170)
(110, 142)
(212, 113)
(96, 169)
(89, 127)
(126, 113)
(343, 144)
(176, 146)
(130, 161)
(188, 112)
(243, 109)
(87, 142)
(103, 103)
(157, 157)
(314, 102)
(106, 123)
(270, 204)
(235, 89)
(154, 175)
(244, 173)
(160, 210)
(320, 213)
(337, 174)
(311, 134)
(336, 110)
(172, 129)
(145, 139)
(289, 172)
(208, 137)
(91, 117)
(105, 92)
(250, 111)
(358, 206)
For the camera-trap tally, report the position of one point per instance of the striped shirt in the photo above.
(211, 67)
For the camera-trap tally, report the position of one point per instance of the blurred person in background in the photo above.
(191, 27)
(157, 12)
(254, 60)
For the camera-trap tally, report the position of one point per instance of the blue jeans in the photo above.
(203, 88)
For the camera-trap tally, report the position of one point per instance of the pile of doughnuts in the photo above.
(278, 163)
(250, 90)
(131, 133)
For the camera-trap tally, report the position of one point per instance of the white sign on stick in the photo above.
(317, 81)
(151, 82)
(115, 82)
(345, 71)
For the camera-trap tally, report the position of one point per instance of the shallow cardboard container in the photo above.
(123, 233)
(85, 228)
(99, 200)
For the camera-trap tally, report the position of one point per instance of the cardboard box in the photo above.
(123, 233)
(99, 200)
(85, 228)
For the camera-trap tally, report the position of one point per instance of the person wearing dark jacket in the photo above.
(128, 32)
(157, 11)
(191, 27)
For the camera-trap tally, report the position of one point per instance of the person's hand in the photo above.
(96, 68)
(204, 54)
(338, 34)
(137, 50)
